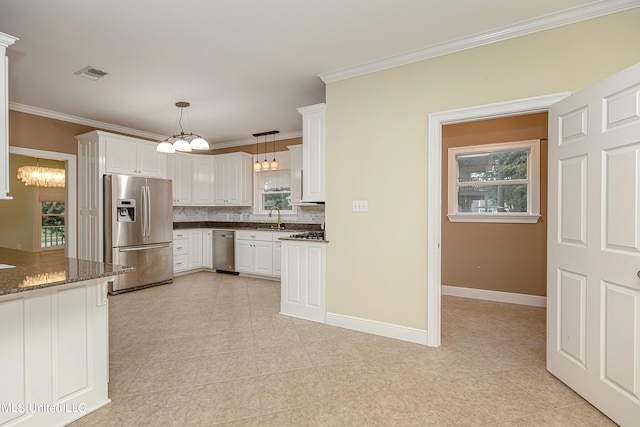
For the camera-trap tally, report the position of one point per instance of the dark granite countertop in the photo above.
(245, 225)
(40, 270)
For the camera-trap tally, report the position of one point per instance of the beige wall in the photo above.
(18, 216)
(42, 133)
(498, 257)
(377, 136)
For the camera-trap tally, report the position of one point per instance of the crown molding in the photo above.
(547, 22)
(6, 40)
(82, 121)
(130, 131)
(238, 143)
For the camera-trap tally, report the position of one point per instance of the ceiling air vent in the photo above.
(91, 73)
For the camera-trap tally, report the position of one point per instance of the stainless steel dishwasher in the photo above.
(224, 258)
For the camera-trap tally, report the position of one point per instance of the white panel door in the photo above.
(593, 298)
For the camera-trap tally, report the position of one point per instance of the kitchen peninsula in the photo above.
(54, 337)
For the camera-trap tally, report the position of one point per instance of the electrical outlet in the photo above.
(360, 206)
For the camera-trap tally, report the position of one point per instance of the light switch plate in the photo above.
(360, 206)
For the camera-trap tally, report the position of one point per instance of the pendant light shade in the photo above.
(183, 141)
(182, 145)
(36, 176)
(165, 147)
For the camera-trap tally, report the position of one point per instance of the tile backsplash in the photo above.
(304, 215)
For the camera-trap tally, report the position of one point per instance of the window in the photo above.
(274, 189)
(52, 230)
(495, 182)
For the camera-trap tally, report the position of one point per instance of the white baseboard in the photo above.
(508, 297)
(389, 330)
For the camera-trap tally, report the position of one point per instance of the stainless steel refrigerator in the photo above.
(138, 224)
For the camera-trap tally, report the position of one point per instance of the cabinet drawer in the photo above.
(180, 263)
(265, 236)
(180, 246)
(181, 234)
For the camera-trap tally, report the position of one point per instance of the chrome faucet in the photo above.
(279, 227)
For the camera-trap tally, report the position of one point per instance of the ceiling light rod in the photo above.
(181, 141)
(271, 132)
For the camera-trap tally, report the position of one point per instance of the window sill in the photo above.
(506, 218)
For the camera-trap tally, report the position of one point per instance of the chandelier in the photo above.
(183, 141)
(257, 166)
(35, 176)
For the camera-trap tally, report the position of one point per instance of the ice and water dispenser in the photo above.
(126, 210)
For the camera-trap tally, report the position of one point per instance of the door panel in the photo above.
(593, 303)
(160, 211)
(153, 264)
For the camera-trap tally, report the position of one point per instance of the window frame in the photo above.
(259, 191)
(49, 195)
(532, 181)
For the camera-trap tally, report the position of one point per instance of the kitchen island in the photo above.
(54, 362)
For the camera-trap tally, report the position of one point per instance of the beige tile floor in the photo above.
(211, 349)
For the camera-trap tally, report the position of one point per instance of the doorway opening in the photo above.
(70, 215)
(434, 220)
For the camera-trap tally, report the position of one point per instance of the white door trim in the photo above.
(434, 216)
(70, 166)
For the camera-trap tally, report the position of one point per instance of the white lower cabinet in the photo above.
(55, 353)
(192, 250)
(181, 251)
(303, 280)
(254, 252)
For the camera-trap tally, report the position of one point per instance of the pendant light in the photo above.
(183, 141)
(35, 176)
(274, 162)
(265, 165)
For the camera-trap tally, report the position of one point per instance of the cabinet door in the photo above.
(304, 280)
(207, 249)
(120, 157)
(313, 153)
(263, 258)
(149, 162)
(196, 248)
(179, 172)
(222, 174)
(203, 181)
(277, 258)
(234, 179)
(244, 256)
(295, 152)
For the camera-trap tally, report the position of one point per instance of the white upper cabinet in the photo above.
(5, 41)
(130, 156)
(180, 174)
(203, 180)
(234, 179)
(314, 156)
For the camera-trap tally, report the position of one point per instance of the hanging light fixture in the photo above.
(274, 162)
(257, 166)
(35, 176)
(183, 141)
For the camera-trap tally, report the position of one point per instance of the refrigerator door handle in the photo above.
(143, 248)
(148, 211)
(144, 211)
